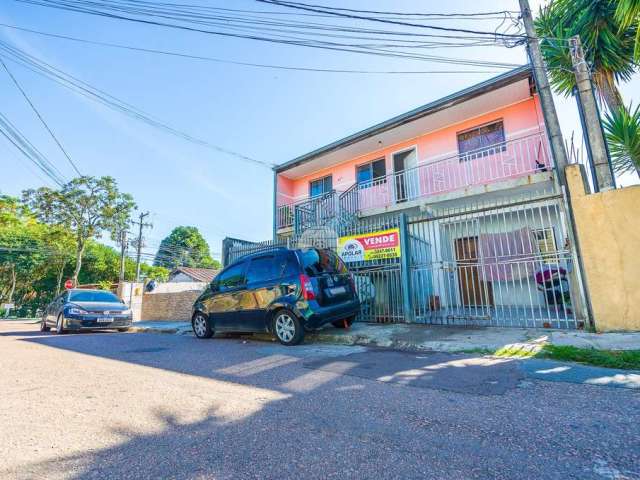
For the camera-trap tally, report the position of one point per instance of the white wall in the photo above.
(176, 286)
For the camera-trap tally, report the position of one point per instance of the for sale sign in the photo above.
(370, 246)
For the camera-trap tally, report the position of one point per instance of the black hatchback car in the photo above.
(81, 309)
(286, 292)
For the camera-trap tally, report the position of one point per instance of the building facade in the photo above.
(466, 187)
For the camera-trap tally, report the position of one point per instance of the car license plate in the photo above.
(105, 320)
(337, 290)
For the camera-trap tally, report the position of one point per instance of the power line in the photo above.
(83, 88)
(13, 134)
(323, 9)
(42, 120)
(233, 62)
(80, 7)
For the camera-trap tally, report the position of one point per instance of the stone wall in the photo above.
(172, 306)
(608, 230)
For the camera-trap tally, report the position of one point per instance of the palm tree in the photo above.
(608, 31)
(608, 48)
(622, 130)
(627, 15)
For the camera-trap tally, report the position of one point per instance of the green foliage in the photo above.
(36, 258)
(622, 128)
(86, 206)
(105, 285)
(154, 273)
(608, 46)
(185, 246)
(624, 359)
(628, 15)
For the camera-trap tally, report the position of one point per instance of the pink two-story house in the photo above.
(468, 181)
(482, 140)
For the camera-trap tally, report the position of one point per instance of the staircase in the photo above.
(321, 218)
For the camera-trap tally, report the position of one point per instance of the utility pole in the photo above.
(123, 253)
(544, 92)
(591, 118)
(141, 224)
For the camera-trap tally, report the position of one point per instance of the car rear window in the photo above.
(317, 261)
(91, 296)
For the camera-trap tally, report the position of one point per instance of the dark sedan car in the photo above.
(286, 292)
(78, 309)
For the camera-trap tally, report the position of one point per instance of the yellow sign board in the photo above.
(379, 245)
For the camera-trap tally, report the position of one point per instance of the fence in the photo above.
(499, 263)
(505, 265)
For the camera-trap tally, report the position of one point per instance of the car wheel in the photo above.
(344, 323)
(287, 328)
(201, 326)
(44, 327)
(60, 325)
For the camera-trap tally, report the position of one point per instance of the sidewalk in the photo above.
(439, 338)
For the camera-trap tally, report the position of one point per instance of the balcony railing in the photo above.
(308, 212)
(507, 160)
(494, 163)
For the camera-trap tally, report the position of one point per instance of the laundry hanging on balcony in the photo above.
(507, 256)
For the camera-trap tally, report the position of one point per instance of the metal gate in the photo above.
(508, 264)
(505, 263)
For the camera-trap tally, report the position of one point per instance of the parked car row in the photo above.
(285, 292)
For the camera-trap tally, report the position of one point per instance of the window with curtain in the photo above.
(481, 141)
(371, 172)
(320, 186)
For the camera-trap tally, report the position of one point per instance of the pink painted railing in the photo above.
(503, 161)
(507, 160)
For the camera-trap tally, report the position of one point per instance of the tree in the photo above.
(608, 47)
(23, 254)
(609, 34)
(628, 15)
(185, 246)
(622, 130)
(86, 206)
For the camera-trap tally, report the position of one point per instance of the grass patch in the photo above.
(623, 359)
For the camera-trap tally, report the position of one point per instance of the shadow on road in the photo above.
(330, 421)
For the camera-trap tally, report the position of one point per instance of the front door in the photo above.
(405, 186)
(473, 290)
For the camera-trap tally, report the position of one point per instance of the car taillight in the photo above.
(307, 288)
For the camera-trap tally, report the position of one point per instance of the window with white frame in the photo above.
(371, 173)
(320, 186)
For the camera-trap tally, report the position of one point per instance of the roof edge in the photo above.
(503, 79)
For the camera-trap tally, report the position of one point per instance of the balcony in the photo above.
(458, 174)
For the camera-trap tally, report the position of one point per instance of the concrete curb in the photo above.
(510, 342)
(169, 330)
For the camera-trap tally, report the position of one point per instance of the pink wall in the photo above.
(520, 119)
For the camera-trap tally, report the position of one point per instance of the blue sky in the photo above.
(272, 115)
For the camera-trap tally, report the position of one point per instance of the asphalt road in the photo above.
(167, 406)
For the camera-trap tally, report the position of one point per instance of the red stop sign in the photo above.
(68, 284)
